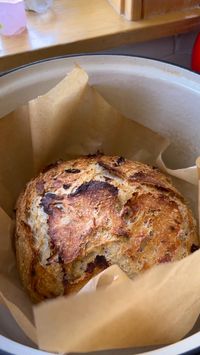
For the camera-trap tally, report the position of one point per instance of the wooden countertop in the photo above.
(78, 26)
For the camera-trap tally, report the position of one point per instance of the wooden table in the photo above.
(79, 26)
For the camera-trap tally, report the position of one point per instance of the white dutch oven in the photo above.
(164, 97)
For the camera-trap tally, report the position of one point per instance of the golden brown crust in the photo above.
(78, 217)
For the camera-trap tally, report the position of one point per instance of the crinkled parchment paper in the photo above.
(111, 311)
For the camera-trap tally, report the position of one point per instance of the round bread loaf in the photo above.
(78, 217)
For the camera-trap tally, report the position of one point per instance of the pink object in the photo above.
(12, 17)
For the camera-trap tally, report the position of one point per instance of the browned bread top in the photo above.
(78, 217)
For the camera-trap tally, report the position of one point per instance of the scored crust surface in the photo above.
(80, 216)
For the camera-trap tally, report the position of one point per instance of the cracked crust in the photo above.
(78, 217)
